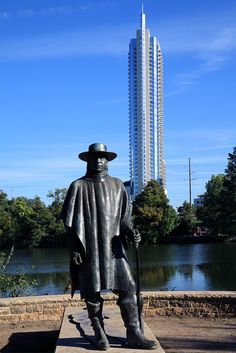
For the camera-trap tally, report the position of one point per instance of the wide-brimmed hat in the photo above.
(97, 148)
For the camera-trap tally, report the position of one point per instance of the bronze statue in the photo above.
(97, 215)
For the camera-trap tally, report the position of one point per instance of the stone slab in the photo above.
(76, 334)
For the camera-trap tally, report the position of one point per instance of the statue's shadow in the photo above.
(86, 338)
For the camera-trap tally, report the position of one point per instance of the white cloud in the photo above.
(66, 10)
(4, 15)
(211, 148)
(26, 13)
(210, 41)
(212, 137)
(101, 41)
(55, 164)
(213, 49)
(198, 160)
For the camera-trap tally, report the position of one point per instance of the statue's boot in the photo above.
(95, 315)
(129, 313)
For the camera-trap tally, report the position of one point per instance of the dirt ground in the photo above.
(176, 335)
(194, 335)
(39, 336)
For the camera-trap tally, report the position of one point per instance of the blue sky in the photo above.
(63, 74)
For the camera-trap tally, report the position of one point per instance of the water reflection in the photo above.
(51, 283)
(156, 278)
(43, 260)
(165, 266)
(220, 270)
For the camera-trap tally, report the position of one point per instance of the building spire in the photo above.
(143, 20)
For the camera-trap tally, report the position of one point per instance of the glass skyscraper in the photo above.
(145, 110)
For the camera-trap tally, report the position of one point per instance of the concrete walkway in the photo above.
(77, 336)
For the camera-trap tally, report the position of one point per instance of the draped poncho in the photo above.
(98, 214)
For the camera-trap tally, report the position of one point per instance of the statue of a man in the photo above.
(97, 215)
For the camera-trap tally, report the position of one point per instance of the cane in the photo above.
(138, 294)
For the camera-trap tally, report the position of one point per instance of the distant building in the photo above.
(145, 110)
(198, 201)
(127, 187)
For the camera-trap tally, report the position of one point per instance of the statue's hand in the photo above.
(133, 236)
(76, 258)
(136, 237)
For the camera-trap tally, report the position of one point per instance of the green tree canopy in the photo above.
(57, 235)
(31, 219)
(228, 199)
(153, 215)
(5, 221)
(211, 211)
(29, 223)
(57, 196)
(219, 208)
(187, 219)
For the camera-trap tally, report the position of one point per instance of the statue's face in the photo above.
(97, 163)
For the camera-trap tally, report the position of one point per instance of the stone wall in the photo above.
(198, 304)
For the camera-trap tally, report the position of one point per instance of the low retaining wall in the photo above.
(198, 304)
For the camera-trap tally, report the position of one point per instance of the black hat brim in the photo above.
(108, 155)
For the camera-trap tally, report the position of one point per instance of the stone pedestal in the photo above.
(76, 335)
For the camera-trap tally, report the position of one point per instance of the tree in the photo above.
(153, 216)
(170, 221)
(219, 208)
(5, 221)
(187, 219)
(58, 197)
(28, 221)
(57, 235)
(228, 199)
(211, 211)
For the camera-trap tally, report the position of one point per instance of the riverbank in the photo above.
(193, 239)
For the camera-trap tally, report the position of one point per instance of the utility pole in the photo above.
(190, 181)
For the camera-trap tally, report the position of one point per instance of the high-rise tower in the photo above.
(145, 110)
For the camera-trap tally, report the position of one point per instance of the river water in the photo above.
(163, 267)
